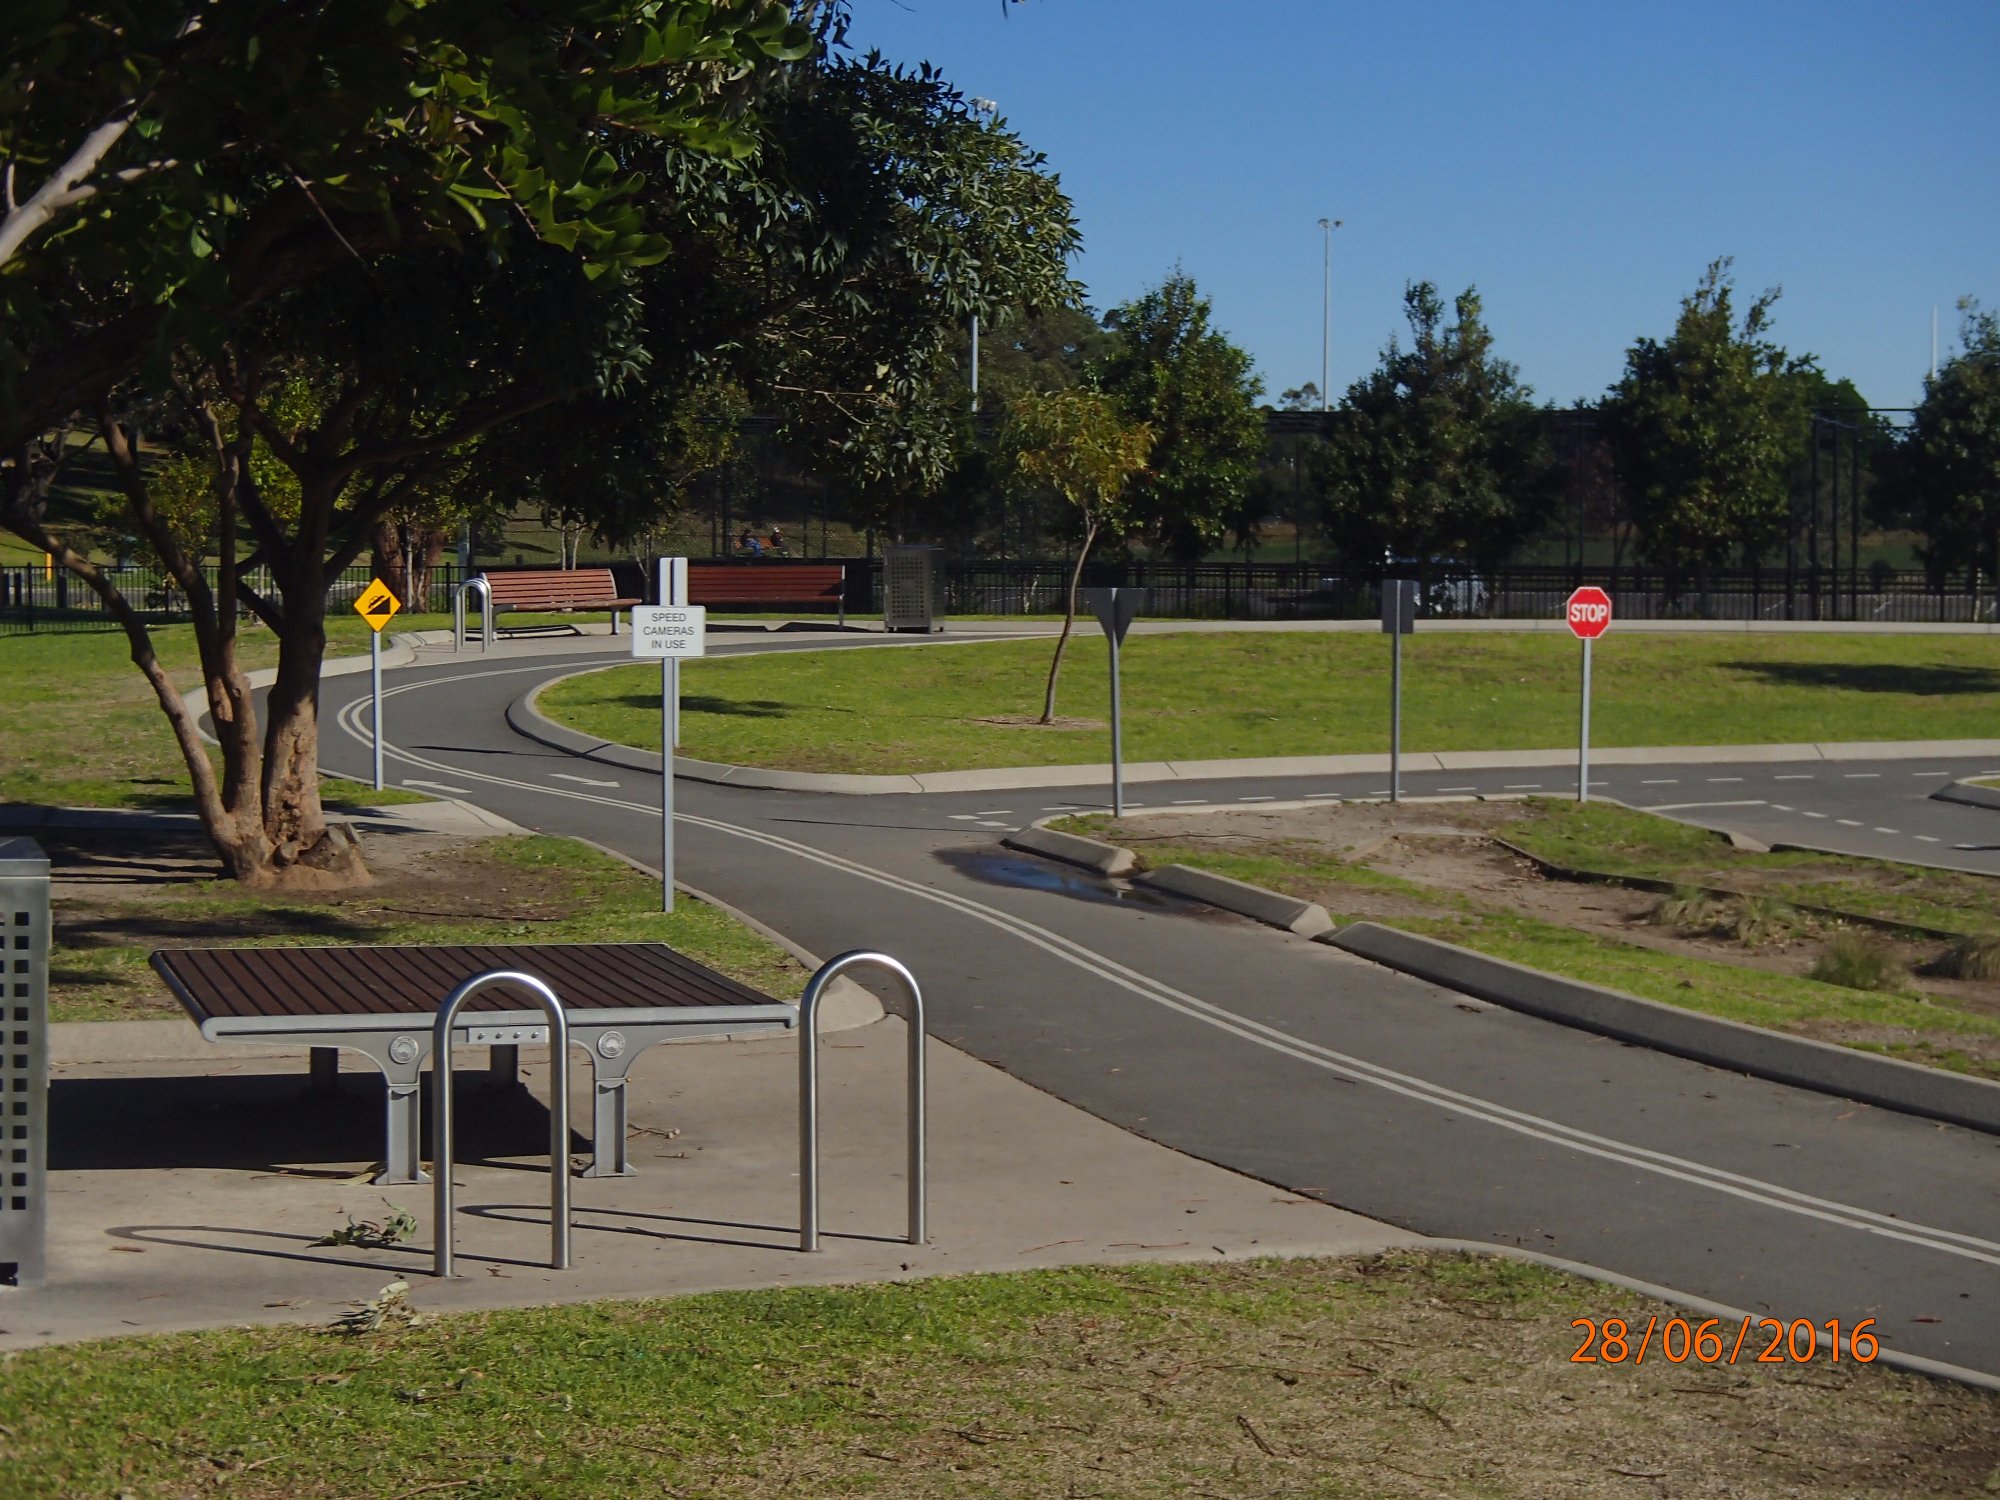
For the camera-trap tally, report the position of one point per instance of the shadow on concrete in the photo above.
(270, 1122)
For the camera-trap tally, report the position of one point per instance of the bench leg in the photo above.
(503, 1067)
(608, 1111)
(403, 1121)
(324, 1072)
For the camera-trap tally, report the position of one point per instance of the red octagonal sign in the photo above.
(1589, 612)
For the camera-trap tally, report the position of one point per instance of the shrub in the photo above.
(1857, 961)
(1690, 911)
(1968, 958)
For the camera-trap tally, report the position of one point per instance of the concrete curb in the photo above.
(1820, 1066)
(1306, 918)
(1968, 794)
(1072, 849)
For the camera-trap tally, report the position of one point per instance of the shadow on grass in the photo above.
(702, 703)
(1884, 678)
(207, 929)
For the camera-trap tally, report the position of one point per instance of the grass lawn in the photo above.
(1397, 1376)
(502, 890)
(79, 727)
(1199, 696)
(1904, 1021)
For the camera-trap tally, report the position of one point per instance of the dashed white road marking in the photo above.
(1924, 838)
(1716, 779)
(1670, 781)
(1795, 776)
(1458, 789)
(1679, 806)
(1888, 830)
(993, 823)
(1780, 807)
(1197, 801)
(1864, 775)
(1256, 799)
(1524, 786)
(1930, 773)
(974, 817)
(995, 812)
(1815, 815)
(1848, 822)
(1315, 796)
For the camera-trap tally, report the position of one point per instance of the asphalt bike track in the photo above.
(1300, 1065)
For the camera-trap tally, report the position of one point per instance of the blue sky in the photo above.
(1579, 162)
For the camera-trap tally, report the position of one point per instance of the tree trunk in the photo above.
(1069, 619)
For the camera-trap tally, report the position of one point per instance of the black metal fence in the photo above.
(35, 599)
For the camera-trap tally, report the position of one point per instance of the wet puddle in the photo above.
(997, 867)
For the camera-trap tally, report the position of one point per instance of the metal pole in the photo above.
(1583, 742)
(667, 708)
(809, 1092)
(443, 1147)
(1396, 708)
(1117, 735)
(1325, 308)
(975, 364)
(375, 677)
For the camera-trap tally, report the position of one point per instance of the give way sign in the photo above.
(1589, 612)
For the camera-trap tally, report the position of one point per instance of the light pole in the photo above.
(1327, 227)
(991, 111)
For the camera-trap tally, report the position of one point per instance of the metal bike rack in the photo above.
(485, 591)
(809, 1090)
(441, 1112)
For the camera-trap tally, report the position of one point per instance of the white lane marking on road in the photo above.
(1795, 776)
(1697, 1174)
(1815, 815)
(1682, 806)
(1458, 788)
(1864, 775)
(963, 817)
(1888, 830)
(1314, 796)
(1523, 786)
(1930, 773)
(439, 786)
(1668, 781)
(1189, 802)
(1848, 822)
(993, 823)
(995, 812)
(1256, 799)
(580, 780)
(1924, 838)
(1714, 779)
(1780, 807)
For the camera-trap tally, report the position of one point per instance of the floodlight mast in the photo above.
(1327, 227)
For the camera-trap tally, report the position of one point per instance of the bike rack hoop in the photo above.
(913, 1001)
(442, 1146)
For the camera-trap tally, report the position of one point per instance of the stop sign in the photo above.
(1589, 612)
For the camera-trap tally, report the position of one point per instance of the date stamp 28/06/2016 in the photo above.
(1678, 1341)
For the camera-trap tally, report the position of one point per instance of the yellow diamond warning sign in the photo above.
(377, 605)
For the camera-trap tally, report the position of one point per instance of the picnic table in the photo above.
(380, 1001)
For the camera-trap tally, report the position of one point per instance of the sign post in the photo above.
(1115, 609)
(671, 632)
(1399, 618)
(377, 605)
(1589, 616)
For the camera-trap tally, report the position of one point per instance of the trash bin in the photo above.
(909, 588)
(24, 1060)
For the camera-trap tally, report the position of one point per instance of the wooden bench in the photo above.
(549, 591)
(761, 586)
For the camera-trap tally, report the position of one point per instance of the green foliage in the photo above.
(1438, 452)
(1705, 428)
(1969, 958)
(1857, 961)
(1946, 472)
(1169, 369)
(1074, 442)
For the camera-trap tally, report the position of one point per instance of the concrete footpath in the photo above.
(188, 1191)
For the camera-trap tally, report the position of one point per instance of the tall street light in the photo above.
(1327, 227)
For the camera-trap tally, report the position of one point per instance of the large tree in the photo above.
(1945, 473)
(1170, 369)
(1707, 426)
(815, 246)
(1438, 452)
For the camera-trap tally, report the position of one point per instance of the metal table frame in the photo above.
(400, 1043)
